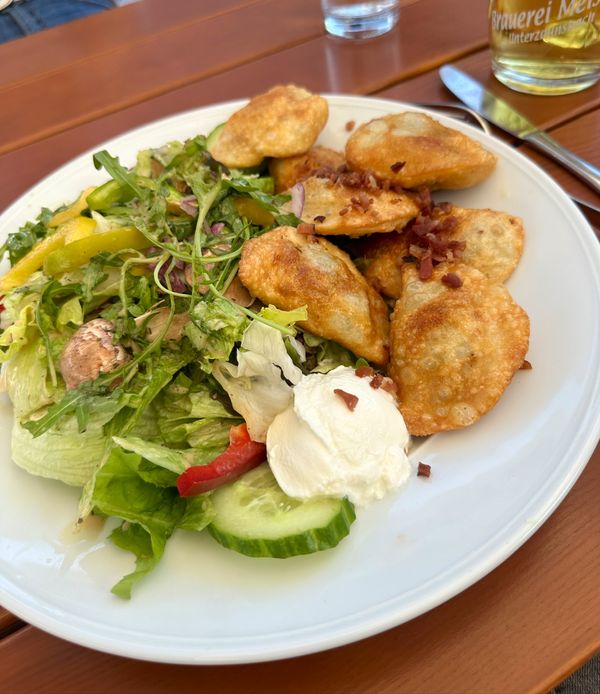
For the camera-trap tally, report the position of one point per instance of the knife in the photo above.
(504, 116)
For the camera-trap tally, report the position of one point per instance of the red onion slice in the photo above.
(189, 205)
(297, 203)
(217, 228)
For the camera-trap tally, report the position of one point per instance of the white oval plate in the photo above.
(491, 487)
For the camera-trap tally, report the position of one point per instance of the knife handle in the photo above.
(580, 167)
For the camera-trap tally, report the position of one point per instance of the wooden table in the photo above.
(530, 622)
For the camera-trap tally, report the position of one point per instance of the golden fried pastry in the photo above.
(289, 269)
(412, 149)
(282, 122)
(286, 172)
(494, 241)
(493, 245)
(338, 209)
(385, 254)
(454, 350)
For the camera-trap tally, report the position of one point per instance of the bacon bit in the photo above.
(364, 371)
(350, 125)
(320, 218)
(344, 211)
(426, 267)
(526, 365)
(361, 202)
(350, 400)
(397, 166)
(451, 279)
(389, 386)
(424, 470)
(304, 228)
(376, 381)
(425, 202)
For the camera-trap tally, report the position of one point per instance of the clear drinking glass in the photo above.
(545, 46)
(360, 19)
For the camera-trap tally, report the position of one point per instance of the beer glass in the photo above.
(545, 46)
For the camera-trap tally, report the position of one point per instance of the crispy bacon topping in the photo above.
(397, 166)
(389, 386)
(424, 470)
(350, 125)
(344, 211)
(350, 400)
(364, 371)
(304, 228)
(361, 201)
(376, 381)
(365, 180)
(526, 365)
(451, 279)
(428, 236)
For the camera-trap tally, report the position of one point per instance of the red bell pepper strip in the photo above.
(241, 455)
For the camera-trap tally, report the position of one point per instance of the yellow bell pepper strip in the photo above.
(73, 255)
(252, 210)
(107, 195)
(77, 228)
(34, 260)
(72, 211)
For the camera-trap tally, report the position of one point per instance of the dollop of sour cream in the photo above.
(318, 446)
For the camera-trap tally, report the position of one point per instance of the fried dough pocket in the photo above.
(412, 149)
(336, 209)
(290, 170)
(453, 350)
(493, 245)
(282, 122)
(289, 269)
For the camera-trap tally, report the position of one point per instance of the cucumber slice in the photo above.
(255, 517)
(213, 136)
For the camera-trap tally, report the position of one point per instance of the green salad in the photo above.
(120, 311)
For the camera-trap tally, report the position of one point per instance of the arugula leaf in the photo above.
(119, 173)
(214, 329)
(20, 242)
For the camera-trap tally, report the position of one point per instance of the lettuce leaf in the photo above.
(151, 513)
(25, 379)
(67, 456)
(259, 385)
(214, 329)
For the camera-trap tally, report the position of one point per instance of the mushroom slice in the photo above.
(90, 352)
(289, 269)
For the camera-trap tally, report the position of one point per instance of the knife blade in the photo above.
(502, 114)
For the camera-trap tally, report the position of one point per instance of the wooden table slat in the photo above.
(580, 135)
(8, 622)
(67, 43)
(46, 104)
